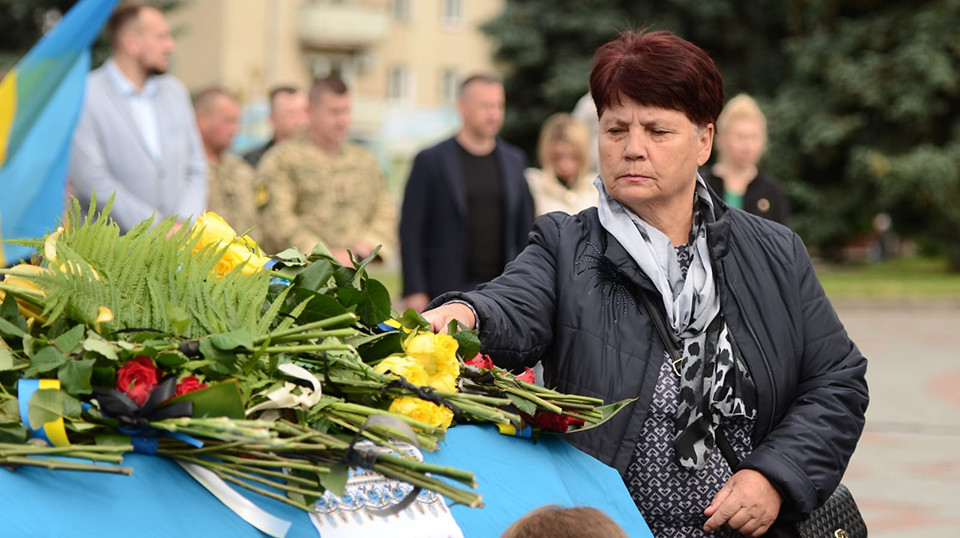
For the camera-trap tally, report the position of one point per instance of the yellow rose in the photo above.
(423, 411)
(50, 245)
(437, 354)
(213, 230)
(407, 367)
(21, 279)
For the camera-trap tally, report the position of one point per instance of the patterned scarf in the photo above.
(714, 380)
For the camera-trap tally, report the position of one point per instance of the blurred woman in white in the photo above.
(740, 142)
(565, 183)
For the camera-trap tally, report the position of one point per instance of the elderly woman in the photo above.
(741, 141)
(564, 183)
(765, 364)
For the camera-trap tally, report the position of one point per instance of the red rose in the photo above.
(189, 383)
(484, 362)
(529, 376)
(137, 379)
(553, 422)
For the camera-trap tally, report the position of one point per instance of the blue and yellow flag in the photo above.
(40, 100)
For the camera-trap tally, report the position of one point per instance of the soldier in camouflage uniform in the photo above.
(231, 189)
(323, 188)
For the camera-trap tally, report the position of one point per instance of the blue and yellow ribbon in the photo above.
(54, 432)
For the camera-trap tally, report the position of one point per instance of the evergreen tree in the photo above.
(862, 96)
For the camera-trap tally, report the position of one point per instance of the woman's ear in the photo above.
(705, 141)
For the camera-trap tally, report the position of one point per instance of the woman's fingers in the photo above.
(747, 503)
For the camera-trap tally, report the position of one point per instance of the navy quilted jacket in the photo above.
(570, 299)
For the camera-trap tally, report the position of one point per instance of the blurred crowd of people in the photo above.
(468, 204)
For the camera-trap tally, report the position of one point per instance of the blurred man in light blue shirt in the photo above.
(136, 138)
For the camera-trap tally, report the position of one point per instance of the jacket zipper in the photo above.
(763, 355)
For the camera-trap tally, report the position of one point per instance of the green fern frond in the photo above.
(137, 275)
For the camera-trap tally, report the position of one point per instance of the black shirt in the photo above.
(764, 197)
(484, 187)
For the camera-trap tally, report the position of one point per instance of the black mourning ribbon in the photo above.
(116, 404)
(367, 457)
(425, 393)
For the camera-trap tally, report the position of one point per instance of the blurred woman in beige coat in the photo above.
(565, 183)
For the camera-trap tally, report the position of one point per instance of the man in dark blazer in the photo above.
(466, 209)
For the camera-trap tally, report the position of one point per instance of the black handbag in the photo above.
(839, 517)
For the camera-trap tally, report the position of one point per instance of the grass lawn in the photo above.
(899, 279)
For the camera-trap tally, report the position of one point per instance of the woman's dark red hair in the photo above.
(657, 69)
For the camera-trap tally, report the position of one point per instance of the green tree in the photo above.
(862, 96)
(547, 47)
(24, 22)
(868, 120)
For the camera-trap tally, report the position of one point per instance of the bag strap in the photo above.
(725, 449)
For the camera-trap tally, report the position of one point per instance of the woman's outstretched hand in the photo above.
(441, 316)
(748, 503)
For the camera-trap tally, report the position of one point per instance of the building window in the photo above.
(399, 85)
(401, 10)
(449, 86)
(451, 12)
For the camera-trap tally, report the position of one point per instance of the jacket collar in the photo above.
(718, 239)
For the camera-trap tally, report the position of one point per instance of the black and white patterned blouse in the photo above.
(671, 498)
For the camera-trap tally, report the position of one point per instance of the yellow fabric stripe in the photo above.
(8, 108)
(55, 430)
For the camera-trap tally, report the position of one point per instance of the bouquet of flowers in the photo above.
(265, 373)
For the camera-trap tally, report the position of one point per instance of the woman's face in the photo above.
(649, 156)
(742, 142)
(566, 161)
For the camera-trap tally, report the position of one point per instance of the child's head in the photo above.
(557, 522)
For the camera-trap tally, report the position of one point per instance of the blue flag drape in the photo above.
(40, 100)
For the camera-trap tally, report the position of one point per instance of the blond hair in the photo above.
(741, 107)
(563, 128)
(557, 522)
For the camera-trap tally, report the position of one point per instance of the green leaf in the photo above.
(230, 341)
(363, 265)
(10, 408)
(316, 276)
(171, 359)
(344, 276)
(372, 301)
(321, 251)
(9, 329)
(320, 307)
(68, 341)
(10, 311)
(220, 400)
(97, 344)
(45, 405)
(291, 256)
(412, 320)
(75, 375)
(47, 359)
(378, 350)
(111, 439)
(608, 411)
(377, 307)
(13, 432)
(179, 319)
(468, 344)
(6, 358)
(221, 362)
(335, 481)
(29, 345)
(81, 427)
(523, 404)
(71, 406)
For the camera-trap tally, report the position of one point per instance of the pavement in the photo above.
(905, 473)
